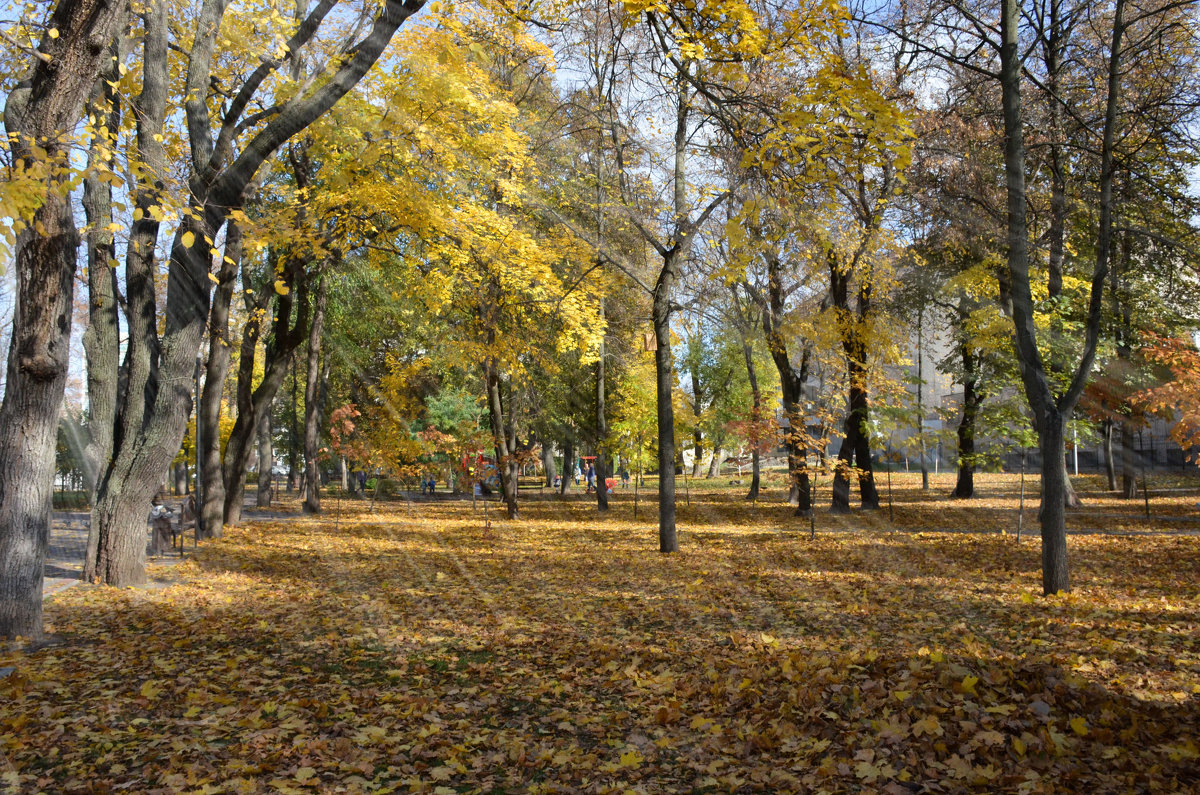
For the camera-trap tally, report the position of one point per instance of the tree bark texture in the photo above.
(668, 540)
(964, 488)
(212, 511)
(312, 403)
(101, 339)
(42, 111)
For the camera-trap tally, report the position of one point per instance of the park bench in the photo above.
(165, 529)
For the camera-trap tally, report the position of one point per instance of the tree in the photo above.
(152, 418)
(40, 116)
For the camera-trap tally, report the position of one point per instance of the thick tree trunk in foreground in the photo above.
(41, 112)
(312, 404)
(1053, 510)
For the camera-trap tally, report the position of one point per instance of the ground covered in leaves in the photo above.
(413, 649)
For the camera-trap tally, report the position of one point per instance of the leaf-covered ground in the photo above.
(413, 650)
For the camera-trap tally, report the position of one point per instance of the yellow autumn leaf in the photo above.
(281, 287)
(188, 239)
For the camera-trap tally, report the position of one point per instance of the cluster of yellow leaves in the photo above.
(413, 651)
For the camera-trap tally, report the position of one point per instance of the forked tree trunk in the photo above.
(251, 405)
(218, 181)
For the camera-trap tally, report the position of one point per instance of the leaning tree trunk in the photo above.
(252, 405)
(714, 468)
(312, 405)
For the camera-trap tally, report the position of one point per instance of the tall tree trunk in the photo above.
(668, 540)
(697, 412)
(1110, 468)
(286, 336)
(293, 478)
(266, 464)
(921, 399)
(1129, 462)
(212, 510)
(101, 340)
(964, 488)
(791, 382)
(855, 450)
(312, 404)
(117, 535)
(548, 467)
(755, 420)
(181, 478)
(1053, 509)
(496, 416)
(601, 428)
(568, 475)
